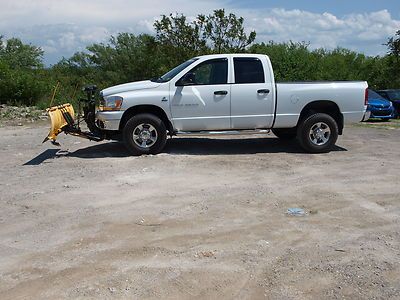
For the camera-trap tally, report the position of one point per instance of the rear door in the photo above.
(252, 99)
(205, 103)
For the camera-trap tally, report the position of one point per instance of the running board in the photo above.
(220, 132)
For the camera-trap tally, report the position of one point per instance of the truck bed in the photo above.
(292, 97)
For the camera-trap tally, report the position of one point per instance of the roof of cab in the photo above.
(212, 56)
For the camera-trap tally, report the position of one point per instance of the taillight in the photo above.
(366, 97)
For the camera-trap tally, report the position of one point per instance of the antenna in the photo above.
(54, 93)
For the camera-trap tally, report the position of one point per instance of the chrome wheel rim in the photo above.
(320, 133)
(145, 135)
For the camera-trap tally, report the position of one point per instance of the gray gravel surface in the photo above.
(205, 219)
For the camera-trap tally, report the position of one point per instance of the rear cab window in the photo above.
(248, 70)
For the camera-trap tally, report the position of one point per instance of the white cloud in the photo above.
(63, 27)
(94, 34)
(361, 32)
(67, 40)
(73, 24)
(110, 13)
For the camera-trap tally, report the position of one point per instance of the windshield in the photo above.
(374, 95)
(394, 95)
(171, 74)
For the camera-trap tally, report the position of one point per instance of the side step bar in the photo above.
(227, 132)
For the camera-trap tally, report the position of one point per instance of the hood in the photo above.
(378, 102)
(132, 86)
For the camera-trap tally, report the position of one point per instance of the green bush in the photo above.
(21, 73)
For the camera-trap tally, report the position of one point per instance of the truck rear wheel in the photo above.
(318, 133)
(144, 134)
(285, 133)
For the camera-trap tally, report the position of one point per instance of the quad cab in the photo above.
(224, 92)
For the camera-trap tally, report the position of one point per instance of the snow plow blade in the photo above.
(61, 116)
(62, 119)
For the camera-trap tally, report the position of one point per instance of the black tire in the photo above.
(317, 142)
(154, 139)
(285, 133)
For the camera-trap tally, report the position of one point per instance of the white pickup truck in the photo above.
(229, 92)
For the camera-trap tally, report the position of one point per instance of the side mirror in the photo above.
(187, 79)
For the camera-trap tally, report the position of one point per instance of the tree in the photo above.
(179, 37)
(126, 57)
(215, 33)
(226, 32)
(1, 44)
(21, 80)
(296, 62)
(393, 45)
(291, 61)
(393, 60)
(20, 55)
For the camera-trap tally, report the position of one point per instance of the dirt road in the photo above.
(206, 219)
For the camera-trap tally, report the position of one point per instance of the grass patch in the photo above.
(390, 124)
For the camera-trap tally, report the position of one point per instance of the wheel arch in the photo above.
(149, 109)
(323, 106)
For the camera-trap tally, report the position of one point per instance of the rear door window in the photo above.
(248, 70)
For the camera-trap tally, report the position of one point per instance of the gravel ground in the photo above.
(206, 219)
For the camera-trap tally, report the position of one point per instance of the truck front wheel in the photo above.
(318, 133)
(144, 134)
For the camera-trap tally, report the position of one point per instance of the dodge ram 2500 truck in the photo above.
(227, 92)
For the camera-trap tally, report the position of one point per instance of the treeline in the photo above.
(127, 57)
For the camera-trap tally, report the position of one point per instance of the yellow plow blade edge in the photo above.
(60, 116)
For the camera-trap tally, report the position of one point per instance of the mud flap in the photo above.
(61, 116)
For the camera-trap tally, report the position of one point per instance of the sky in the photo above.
(63, 27)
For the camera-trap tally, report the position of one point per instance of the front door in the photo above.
(204, 103)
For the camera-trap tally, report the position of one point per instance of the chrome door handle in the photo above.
(221, 93)
(263, 91)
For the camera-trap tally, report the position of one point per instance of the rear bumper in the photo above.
(367, 115)
(110, 119)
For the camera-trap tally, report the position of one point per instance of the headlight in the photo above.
(112, 103)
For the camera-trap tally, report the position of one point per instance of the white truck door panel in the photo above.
(199, 107)
(252, 97)
(203, 101)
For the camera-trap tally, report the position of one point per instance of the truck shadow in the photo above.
(42, 157)
(200, 146)
(211, 146)
(102, 150)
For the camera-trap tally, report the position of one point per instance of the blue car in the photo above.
(393, 96)
(379, 107)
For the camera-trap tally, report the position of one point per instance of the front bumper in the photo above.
(382, 113)
(110, 119)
